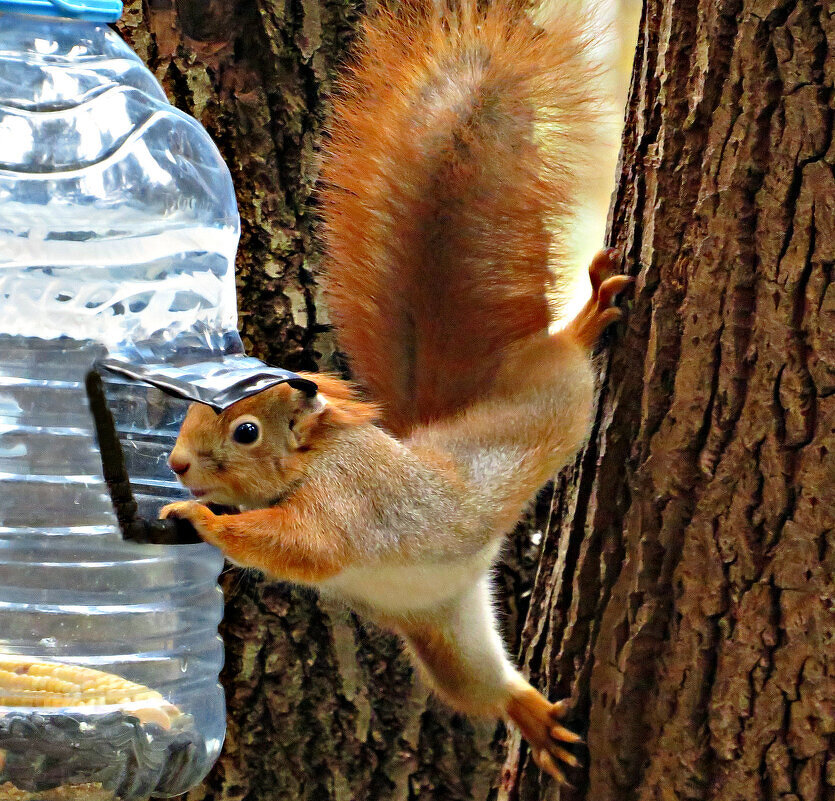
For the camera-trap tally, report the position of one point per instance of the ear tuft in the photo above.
(309, 412)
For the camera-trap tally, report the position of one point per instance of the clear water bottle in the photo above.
(118, 229)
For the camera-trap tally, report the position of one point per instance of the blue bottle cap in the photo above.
(92, 10)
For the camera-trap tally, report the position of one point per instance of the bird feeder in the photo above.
(118, 230)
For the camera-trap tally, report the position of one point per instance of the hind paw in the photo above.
(538, 720)
(598, 313)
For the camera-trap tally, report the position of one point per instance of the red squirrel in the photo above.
(449, 167)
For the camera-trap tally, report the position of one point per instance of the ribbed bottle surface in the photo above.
(118, 229)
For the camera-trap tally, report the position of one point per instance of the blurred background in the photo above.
(615, 50)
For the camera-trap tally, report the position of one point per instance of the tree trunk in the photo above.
(686, 596)
(321, 705)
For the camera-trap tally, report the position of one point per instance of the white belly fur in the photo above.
(398, 590)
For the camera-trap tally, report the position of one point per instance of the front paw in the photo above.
(198, 515)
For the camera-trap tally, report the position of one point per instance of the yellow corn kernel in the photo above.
(53, 684)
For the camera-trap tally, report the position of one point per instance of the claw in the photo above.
(547, 764)
(566, 735)
(598, 313)
(565, 756)
(606, 318)
(174, 510)
(611, 288)
(602, 266)
(559, 709)
(536, 719)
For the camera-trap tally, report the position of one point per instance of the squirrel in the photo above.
(452, 159)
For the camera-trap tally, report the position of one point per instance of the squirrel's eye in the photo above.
(246, 433)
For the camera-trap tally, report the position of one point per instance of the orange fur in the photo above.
(449, 675)
(294, 438)
(288, 537)
(348, 407)
(440, 207)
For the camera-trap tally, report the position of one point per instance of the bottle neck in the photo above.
(65, 10)
(26, 18)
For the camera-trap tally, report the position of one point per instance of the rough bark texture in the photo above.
(321, 706)
(686, 596)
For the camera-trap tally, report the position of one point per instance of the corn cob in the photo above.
(53, 684)
(80, 792)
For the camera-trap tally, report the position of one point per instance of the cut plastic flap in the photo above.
(218, 384)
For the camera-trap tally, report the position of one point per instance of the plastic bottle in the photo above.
(118, 229)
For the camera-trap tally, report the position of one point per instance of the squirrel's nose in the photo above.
(179, 465)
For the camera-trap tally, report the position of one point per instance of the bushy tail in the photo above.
(452, 161)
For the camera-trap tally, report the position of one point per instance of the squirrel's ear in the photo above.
(308, 412)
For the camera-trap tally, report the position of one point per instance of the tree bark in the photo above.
(686, 595)
(320, 705)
